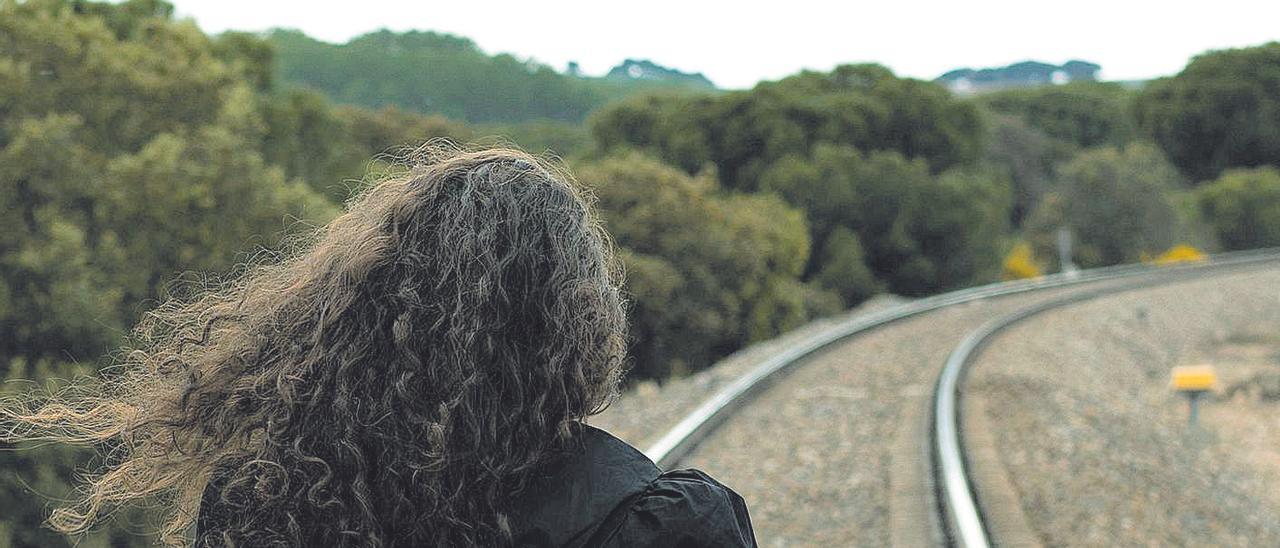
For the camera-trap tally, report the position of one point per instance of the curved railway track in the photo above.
(945, 491)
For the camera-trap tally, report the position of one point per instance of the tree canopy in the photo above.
(860, 151)
(1221, 111)
(1243, 206)
(741, 133)
(709, 271)
(1086, 114)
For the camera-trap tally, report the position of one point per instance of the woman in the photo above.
(417, 374)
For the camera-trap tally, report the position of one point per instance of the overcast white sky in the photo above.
(736, 45)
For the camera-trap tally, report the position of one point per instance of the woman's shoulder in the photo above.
(611, 494)
(565, 502)
(681, 508)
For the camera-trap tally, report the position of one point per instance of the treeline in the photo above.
(1190, 158)
(134, 149)
(449, 75)
(886, 171)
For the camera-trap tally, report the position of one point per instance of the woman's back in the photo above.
(601, 492)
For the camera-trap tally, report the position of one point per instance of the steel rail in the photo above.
(677, 442)
(962, 515)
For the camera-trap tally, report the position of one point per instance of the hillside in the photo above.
(644, 69)
(437, 73)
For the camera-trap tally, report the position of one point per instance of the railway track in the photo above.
(931, 498)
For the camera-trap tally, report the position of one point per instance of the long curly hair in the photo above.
(390, 381)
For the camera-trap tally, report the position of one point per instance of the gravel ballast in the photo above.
(812, 454)
(1098, 446)
(645, 412)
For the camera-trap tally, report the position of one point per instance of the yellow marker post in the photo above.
(1194, 381)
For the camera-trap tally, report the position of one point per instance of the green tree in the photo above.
(743, 133)
(842, 267)
(669, 126)
(1027, 157)
(1219, 112)
(306, 137)
(374, 133)
(918, 232)
(962, 226)
(875, 110)
(1117, 202)
(563, 139)
(1086, 114)
(1243, 207)
(329, 146)
(157, 77)
(193, 203)
(130, 152)
(708, 272)
(56, 301)
(251, 56)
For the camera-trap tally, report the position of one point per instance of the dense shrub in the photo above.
(708, 271)
(1086, 114)
(1118, 204)
(1243, 206)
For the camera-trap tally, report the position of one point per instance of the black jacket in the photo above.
(608, 494)
(611, 495)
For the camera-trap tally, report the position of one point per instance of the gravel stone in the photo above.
(811, 454)
(1098, 445)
